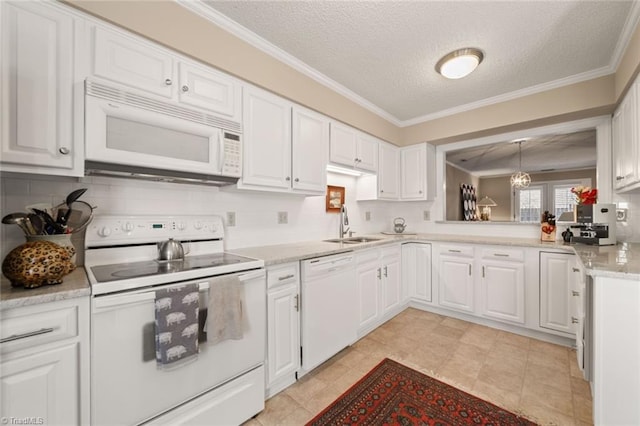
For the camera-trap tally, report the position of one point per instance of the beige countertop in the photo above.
(621, 260)
(73, 285)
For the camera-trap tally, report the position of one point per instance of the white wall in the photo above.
(256, 212)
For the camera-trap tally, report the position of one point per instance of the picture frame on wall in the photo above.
(335, 198)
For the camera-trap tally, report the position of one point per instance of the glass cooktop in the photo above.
(125, 271)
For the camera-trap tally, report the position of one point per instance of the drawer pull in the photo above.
(500, 254)
(575, 269)
(574, 320)
(379, 274)
(385, 272)
(25, 335)
(286, 277)
(575, 293)
(297, 303)
(454, 251)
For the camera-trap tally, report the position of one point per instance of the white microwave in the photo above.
(138, 133)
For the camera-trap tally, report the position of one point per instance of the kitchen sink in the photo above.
(352, 240)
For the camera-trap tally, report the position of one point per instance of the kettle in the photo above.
(170, 250)
(398, 225)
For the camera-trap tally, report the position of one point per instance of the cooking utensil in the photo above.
(37, 222)
(80, 217)
(51, 226)
(18, 219)
(63, 216)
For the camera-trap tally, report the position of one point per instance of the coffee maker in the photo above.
(596, 224)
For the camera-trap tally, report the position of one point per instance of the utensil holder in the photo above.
(63, 240)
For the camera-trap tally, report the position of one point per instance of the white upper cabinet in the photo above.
(142, 65)
(626, 141)
(388, 172)
(38, 51)
(267, 140)
(285, 146)
(417, 173)
(351, 148)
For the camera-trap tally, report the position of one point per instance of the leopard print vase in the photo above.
(38, 263)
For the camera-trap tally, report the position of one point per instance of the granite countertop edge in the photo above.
(74, 285)
(609, 267)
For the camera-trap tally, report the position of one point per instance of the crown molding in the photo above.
(248, 36)
(200, 8)
(577, 78)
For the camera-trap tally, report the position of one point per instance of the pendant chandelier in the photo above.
(520, 179)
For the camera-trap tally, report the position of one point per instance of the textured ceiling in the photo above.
(385, 51)
(544, 153)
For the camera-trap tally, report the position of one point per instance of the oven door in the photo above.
(128, 388)
(124, 134)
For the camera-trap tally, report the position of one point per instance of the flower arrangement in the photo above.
(585, 194)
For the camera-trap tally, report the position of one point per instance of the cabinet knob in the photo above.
(575, 293)
(381, 191)
(287, 179)
(420, 192)
(185, 88)
(64, 150)
(619, 177)
(574, 320)
(296, 180)
(575, 269)
(168, 82)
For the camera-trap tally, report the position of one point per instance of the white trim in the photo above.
(229, 25)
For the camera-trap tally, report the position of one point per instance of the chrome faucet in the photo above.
(344, 220)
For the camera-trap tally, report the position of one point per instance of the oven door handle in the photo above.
(110, 301)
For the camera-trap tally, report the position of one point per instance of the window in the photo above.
(555, 197)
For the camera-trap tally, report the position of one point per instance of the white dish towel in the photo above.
(225, 319)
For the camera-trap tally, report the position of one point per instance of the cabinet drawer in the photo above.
(367, 256)
(503, 254)
(280, 275)
(24, 328)
(456, 250)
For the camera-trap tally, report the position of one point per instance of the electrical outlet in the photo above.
(283, 217)
(367, 216)
(426, 215)
(231, 218)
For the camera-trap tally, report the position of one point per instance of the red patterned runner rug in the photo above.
(392, 394)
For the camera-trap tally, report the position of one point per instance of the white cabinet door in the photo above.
(413, 173)
(44, 385)
(283, 332)
(556, 283)
(208, 89)
(368, 276)
(310, 142)
(416, 270)
(131, 61)
(502, 290)
(626, 138)
(455, 283)
(388, 188)
(267, 139)
(37, 85)
(367, 153)
(391, 283)
(343, 145)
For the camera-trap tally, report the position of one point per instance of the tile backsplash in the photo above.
(256, 212)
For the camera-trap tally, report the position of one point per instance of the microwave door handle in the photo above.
(221, 152)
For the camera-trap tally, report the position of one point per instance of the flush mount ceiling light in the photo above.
(459, 63)
(520, 179)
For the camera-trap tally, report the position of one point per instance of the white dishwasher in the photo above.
(329, 308)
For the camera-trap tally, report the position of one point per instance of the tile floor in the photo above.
(537, 379)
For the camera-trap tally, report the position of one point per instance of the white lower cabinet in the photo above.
(557, 275)
(455, 278)
(283, 326)
(502, 285)
(44, 369)
(416, 270)
(379, 286)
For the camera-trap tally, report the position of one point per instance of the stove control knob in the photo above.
(214, 228)
(105, 231)
(128, 227)
(198, 225)
(181, 226)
